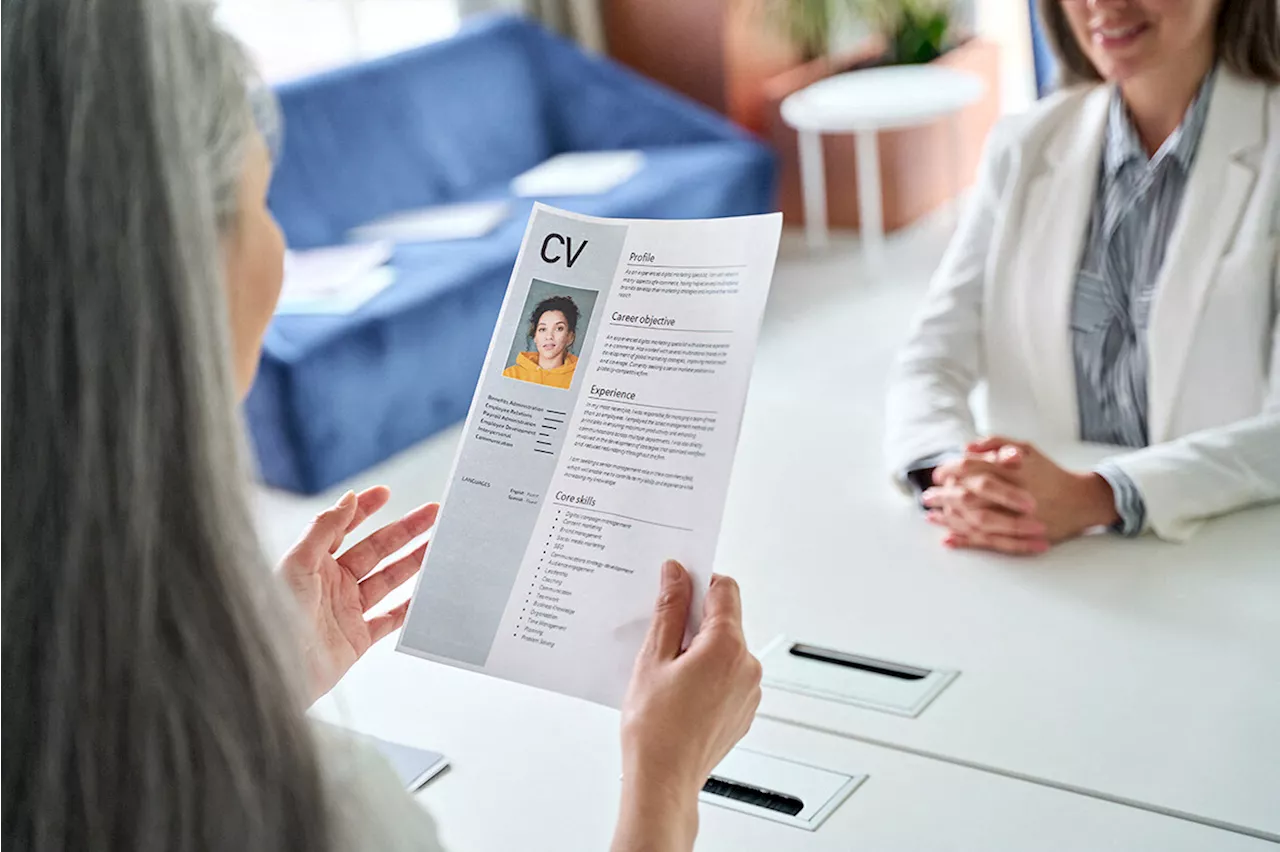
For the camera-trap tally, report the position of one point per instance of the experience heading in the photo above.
(611, 393)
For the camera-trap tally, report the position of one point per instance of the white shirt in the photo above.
(998, 312)
(371, 810)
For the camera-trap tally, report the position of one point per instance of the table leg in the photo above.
(869, 205)
(813, 185)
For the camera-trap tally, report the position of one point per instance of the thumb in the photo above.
(329, 528)
(989, 444)
(1006, 452)
(723, 604)
(1011, 456)
(666, 632)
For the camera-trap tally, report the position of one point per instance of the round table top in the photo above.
(882, 98)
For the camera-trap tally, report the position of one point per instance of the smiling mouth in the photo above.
(1112, 36)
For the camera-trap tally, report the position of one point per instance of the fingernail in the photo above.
(347, 500)
(670, 571)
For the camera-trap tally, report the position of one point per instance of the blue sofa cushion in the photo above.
(424, 127)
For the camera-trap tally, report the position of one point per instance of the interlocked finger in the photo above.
(982, 517)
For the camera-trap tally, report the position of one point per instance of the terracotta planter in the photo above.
(721, 53)
(680, 43)
(914, 163)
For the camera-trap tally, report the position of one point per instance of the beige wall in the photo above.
(1006, 23)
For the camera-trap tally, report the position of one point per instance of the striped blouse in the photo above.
(1134, 211)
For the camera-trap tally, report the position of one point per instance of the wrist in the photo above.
(657, 812)
(668, 780)
(1097, 502)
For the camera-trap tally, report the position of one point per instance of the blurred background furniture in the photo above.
(745, 57)
(913, 176)
(452, 122)
(864, 103)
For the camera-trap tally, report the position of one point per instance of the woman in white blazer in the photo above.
(155, 673)
(1115, 279)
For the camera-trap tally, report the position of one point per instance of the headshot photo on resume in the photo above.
(545, 351)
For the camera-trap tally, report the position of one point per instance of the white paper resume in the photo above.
(599, 444)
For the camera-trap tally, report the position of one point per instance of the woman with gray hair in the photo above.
(154, 681)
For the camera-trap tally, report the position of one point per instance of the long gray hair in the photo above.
(148, 703)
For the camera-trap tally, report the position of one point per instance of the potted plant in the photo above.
(914, 162)
(914, 31)
(806, 24)
(911, 31)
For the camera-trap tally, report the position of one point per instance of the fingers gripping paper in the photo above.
(599, 444)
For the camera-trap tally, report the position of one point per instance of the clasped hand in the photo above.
(1007, 496)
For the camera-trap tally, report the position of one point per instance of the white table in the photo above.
(1138, 670)
(864, 103)
(1132, 669)
(536, 771)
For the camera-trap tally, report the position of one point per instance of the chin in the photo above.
(1124, 64)
(244, 382)
(246, 370)
(1120, 70)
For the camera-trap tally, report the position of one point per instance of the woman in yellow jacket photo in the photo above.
(553, 326)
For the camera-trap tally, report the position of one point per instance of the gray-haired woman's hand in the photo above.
(335, 592)
(683, 712)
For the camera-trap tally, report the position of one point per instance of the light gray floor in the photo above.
(831, 327)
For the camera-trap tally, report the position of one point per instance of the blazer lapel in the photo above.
(1059, 200)
(1217, 191)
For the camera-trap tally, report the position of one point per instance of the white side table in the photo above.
(864, 103)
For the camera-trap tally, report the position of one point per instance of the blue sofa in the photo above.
(449, 122)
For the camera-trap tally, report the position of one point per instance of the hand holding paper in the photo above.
(683, 712)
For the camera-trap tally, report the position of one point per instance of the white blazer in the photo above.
(998, 308)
